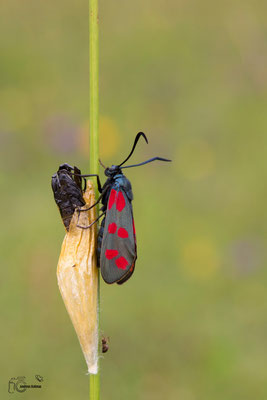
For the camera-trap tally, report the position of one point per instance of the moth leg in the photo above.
(98, 200)
(89, 208)
(85, 184)
(89, 226)
(99, 187)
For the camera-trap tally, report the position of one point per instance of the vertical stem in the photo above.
(94, 132)
(93, 82)
(94, 387)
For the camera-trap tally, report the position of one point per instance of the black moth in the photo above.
(117, 252)
(116, 248)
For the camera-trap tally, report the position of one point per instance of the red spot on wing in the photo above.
(109, 253)
(112, 198)
(120, 204)
(132, 267)
(112, 228)
(122, 233)
(121, 263)
(133, 227)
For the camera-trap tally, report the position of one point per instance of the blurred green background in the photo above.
(191, 324)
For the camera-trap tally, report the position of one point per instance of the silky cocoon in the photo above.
(77, 276)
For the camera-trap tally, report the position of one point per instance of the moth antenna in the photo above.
(139, 134)
(148, 161)
(100, 162)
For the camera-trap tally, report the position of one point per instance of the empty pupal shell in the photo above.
(77, 276)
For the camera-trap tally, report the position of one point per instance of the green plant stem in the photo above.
(94, 133)
(93, 82)
(94, 387)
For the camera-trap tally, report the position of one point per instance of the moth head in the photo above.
(112, 171)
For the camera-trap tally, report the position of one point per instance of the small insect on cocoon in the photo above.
(77, 265)
(105, 345)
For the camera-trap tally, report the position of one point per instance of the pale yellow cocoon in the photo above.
(77, 277)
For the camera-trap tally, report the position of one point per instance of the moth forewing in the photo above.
(118, 251)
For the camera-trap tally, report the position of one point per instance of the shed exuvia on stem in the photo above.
(78, 280)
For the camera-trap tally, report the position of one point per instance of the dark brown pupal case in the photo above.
(68, 193)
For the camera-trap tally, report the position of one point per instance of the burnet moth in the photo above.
(117, 251)
(68, 192)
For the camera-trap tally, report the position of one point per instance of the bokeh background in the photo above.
(191, 323)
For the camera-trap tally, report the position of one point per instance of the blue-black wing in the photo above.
(118, 249)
